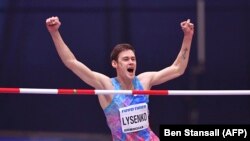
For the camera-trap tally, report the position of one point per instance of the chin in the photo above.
(131, 76)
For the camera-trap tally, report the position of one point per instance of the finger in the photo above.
(55, 18)
(188, 20)
(47, 20)
(50, 22)
(183, 23)
(190, 25)
(53, 21)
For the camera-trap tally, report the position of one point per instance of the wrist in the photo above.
(188, 36)
(53, 32)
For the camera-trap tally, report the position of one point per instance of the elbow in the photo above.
(179, 71)
(69, 63)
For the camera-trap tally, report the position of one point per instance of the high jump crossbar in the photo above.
(127, 92)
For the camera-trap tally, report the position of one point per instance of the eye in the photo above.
(125, 59)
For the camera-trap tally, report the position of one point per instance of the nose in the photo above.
(131, 61)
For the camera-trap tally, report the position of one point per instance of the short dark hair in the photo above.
(118, 49)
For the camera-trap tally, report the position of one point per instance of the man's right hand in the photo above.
(53, 24)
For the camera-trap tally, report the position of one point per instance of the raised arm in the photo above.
(180, 64)
(90, 77)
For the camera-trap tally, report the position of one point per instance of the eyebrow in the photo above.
(126, 57)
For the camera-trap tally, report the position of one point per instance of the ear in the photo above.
(114, 64)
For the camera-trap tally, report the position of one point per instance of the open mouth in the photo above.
(130, 70)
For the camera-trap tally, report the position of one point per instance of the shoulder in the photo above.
(145, 79)
(105, 81)
(146, 75)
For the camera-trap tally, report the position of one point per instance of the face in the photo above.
(125, 65)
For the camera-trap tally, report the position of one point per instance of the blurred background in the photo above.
(219, 60)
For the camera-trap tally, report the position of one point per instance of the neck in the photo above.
(126, 84)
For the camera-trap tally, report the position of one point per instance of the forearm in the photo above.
(62, 49)
(182, 59)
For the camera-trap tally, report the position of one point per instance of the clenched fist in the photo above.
(53, 24)
(187, 27)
